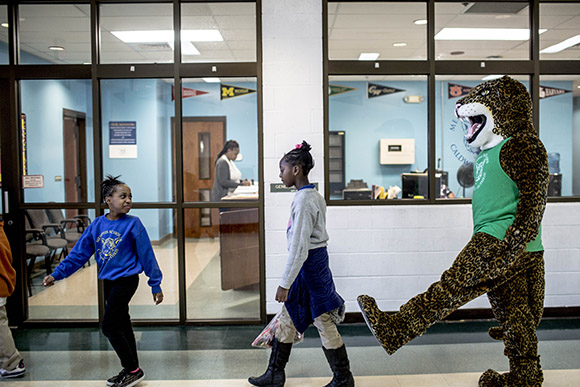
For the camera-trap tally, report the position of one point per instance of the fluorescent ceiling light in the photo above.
(211, 80)
(187, 48)
(56, 48)
(485, 34)
(574, 40)
(399, 44)
(368, 56)
(162, 36)
(490, 77)
(420, 21)
(5, 25)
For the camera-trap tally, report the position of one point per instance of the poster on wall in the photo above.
(374, 90)
(229, 91)
(24, 145)
(122, 139)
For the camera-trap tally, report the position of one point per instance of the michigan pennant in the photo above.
(229, 91)
(335, 89)
(456, 91)
(374, 90)
(186, 92)
(546, 92)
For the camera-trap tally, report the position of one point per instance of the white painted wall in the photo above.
(389, 252)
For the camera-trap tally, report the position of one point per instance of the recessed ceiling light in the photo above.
(162, 36)
(5, 25)
(574, 40)
(368, 56)
(211, 80)
(420, 21)
(399, 44)
(485, 34)
(56, 48)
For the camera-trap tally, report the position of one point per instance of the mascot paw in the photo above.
(378, 323)
(491, 378)
(496, 333)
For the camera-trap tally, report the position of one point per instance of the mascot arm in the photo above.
(525, 161)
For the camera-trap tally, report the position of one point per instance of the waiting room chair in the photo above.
(55, 239)
(36, 246)
(73, 227)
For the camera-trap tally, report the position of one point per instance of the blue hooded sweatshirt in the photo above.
(122, 248)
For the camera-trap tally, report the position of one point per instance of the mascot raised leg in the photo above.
(505, 257)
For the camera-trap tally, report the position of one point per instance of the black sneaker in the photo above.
(16, 372)
(130, 379)
(114, 379)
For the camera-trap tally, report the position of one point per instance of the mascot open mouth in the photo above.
(475, 126)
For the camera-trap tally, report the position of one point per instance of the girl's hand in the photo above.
(281, 294)
(48, 281)
(158, 298)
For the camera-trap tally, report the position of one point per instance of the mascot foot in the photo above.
(496, 333)
(491, 378)
(380, 324)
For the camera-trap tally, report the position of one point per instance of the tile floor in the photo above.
(450, 354)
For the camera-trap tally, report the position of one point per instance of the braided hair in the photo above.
(109, 185)
(300, 155)
(230, 144)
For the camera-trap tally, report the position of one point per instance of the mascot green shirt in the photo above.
(496, 197)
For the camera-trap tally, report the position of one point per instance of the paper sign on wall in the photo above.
(33, 181)
(122, 139)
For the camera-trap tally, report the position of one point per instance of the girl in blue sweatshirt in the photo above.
(122, 250)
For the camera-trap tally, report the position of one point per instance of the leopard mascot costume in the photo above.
(505, 256)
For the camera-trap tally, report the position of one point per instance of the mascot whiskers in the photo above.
(505, 257)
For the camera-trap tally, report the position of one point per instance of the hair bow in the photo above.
(298, 146)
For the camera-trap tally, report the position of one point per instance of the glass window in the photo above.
(4, 58)
(159, 224)
(378, 127)
(137, 135)
(74, 298)
(220, 115)
(222, 263)
(560, 131)
(455, 157)
(55, 33)
(57, 140)
(218, 32)
(562, 22)
(377, 30)
(482, 30)
(136, 33)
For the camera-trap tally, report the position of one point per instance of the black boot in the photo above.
(338, 361)
(274, 375)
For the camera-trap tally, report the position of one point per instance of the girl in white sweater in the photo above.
(306, 289)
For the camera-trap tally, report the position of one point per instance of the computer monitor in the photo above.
(417, 184)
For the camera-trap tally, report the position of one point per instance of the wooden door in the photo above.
(75, 166)
(203, 139)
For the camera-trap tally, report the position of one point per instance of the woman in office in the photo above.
(227, 176)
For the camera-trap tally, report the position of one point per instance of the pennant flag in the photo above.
(546, 92)
(456, 91)
(335, 89)
(229, 91)
(186, 92)
(374, 90)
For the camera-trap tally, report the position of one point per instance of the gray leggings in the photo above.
(326, 329)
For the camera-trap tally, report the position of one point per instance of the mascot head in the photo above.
(495, 110)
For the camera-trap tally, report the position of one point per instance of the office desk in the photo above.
(239, 248)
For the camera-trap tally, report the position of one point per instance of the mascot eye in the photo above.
(484, 92)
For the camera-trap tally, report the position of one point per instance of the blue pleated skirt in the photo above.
(313, 292)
